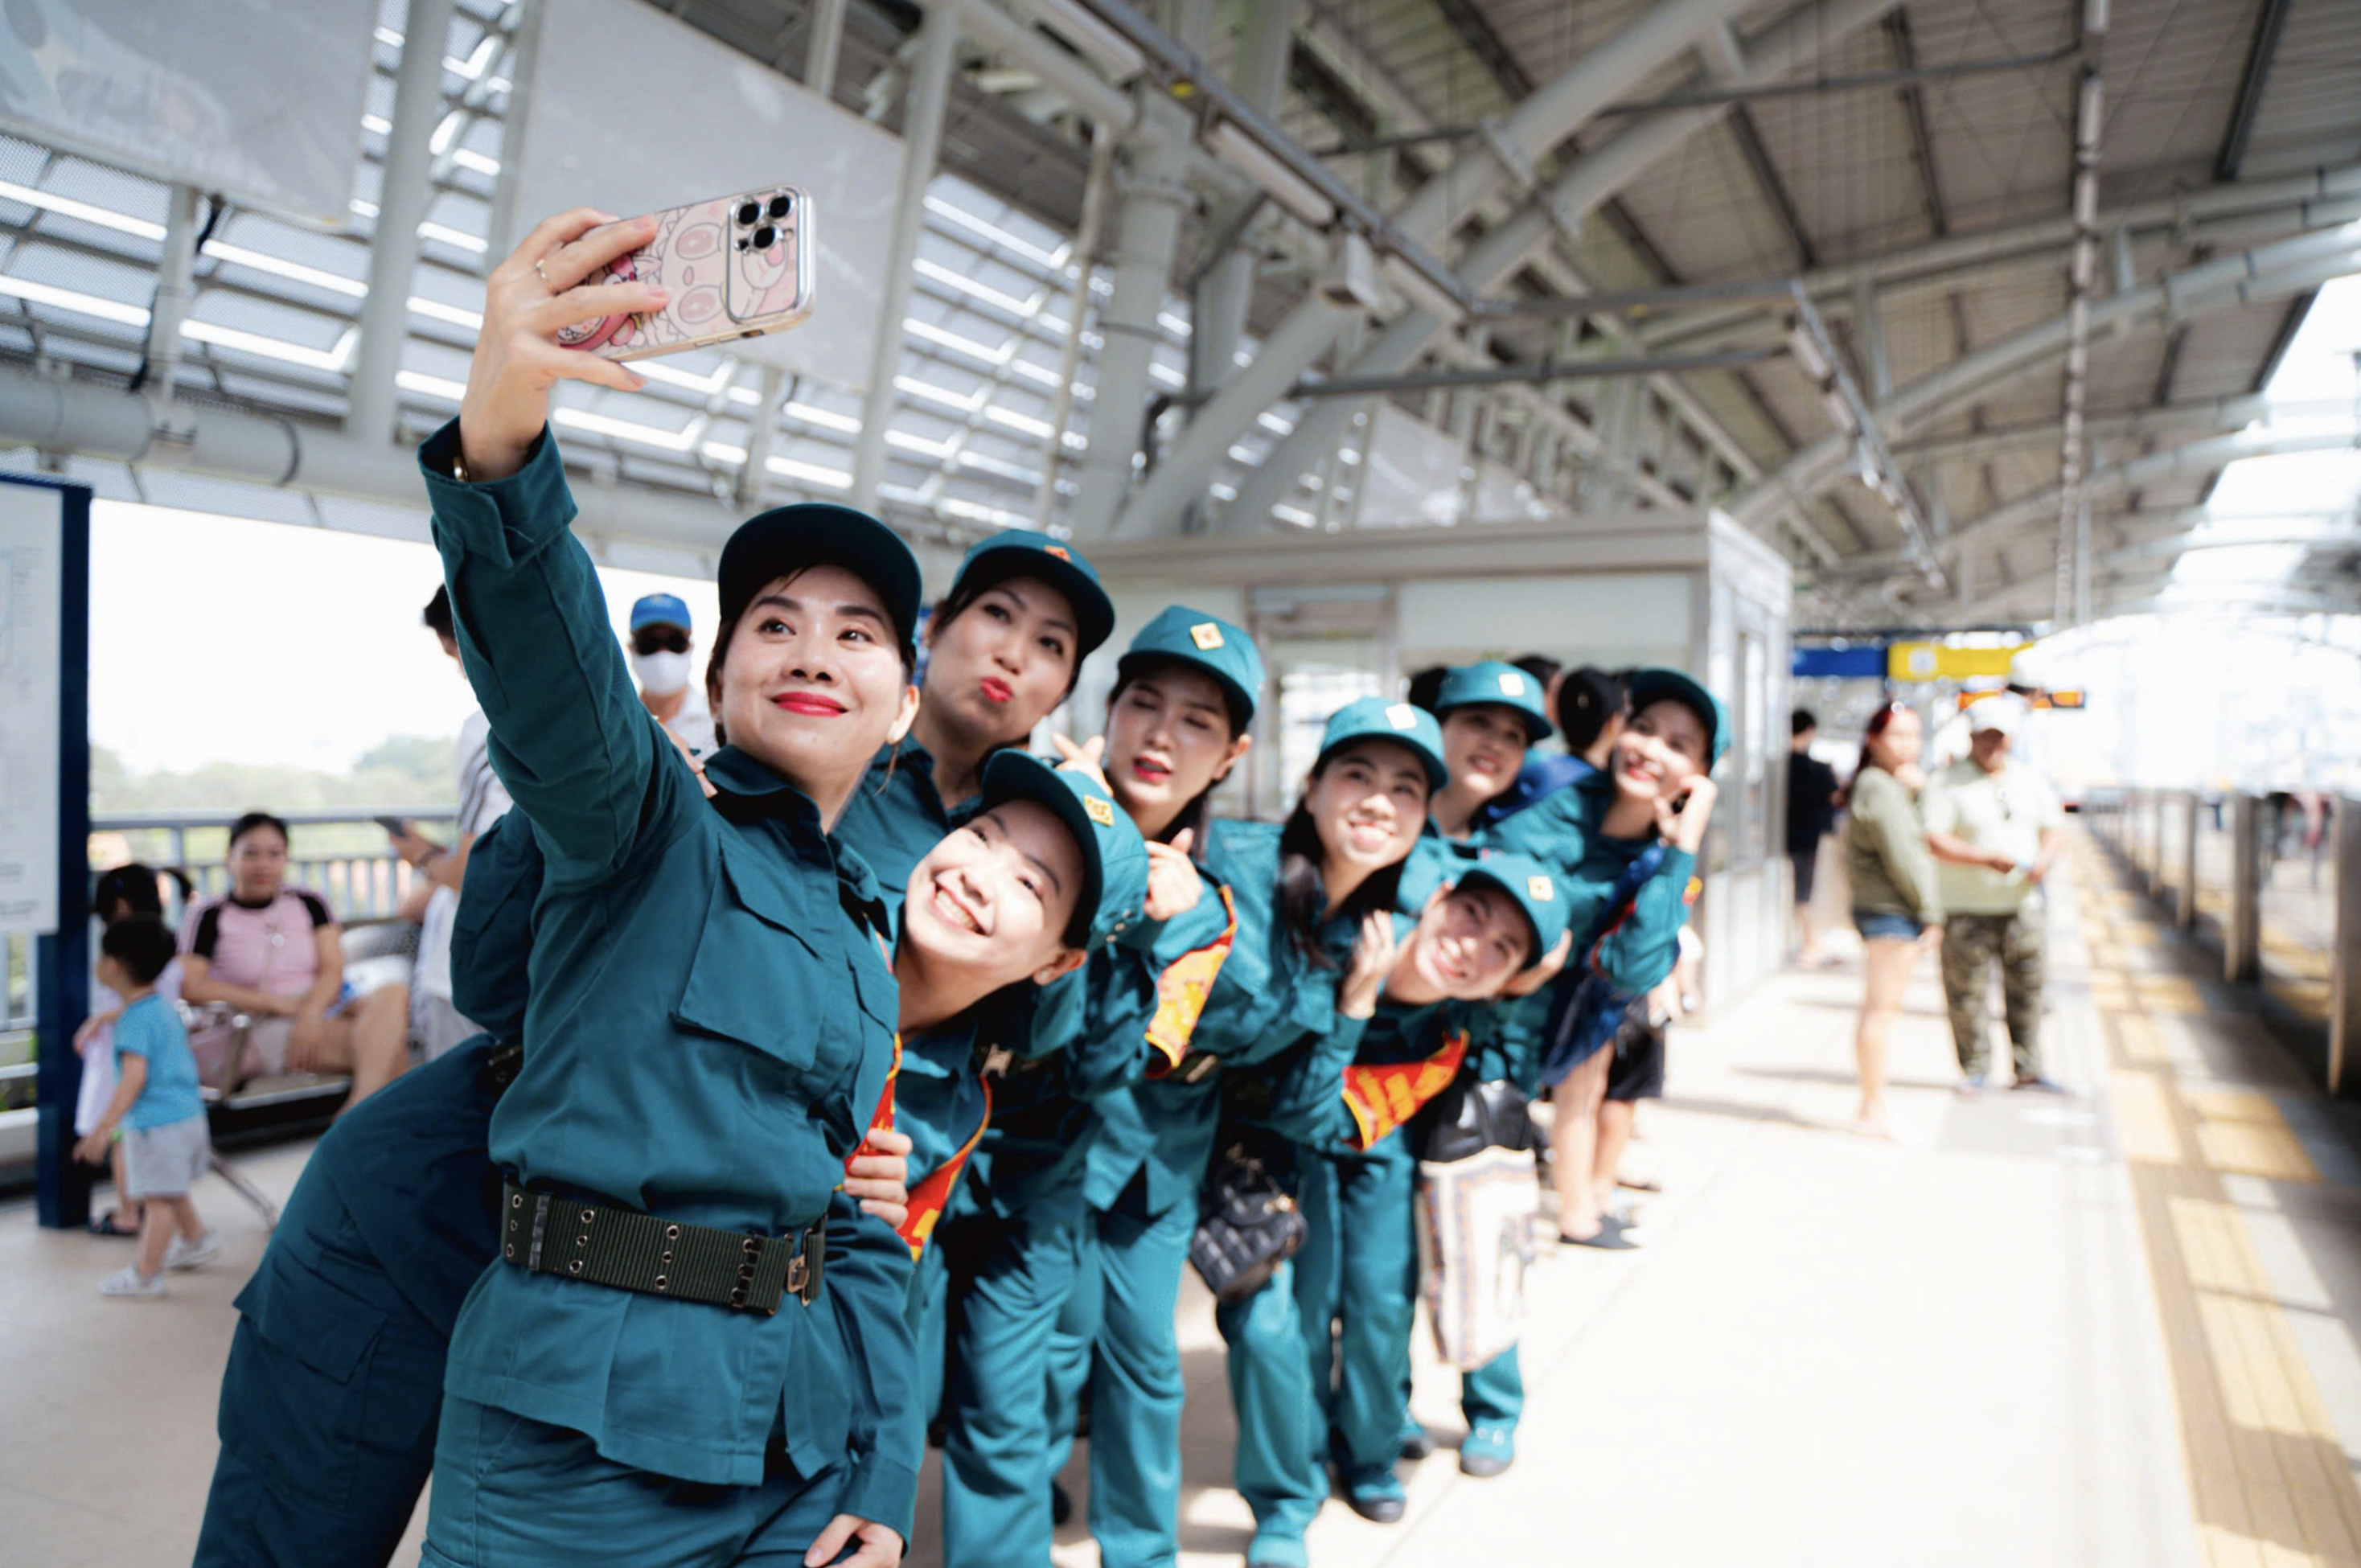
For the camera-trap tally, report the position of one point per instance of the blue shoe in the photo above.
(1277, 1551)
(1487, 1450)
(1970, 1087)
(1377, 1496)
(2039, 1084)
(1415, 1444)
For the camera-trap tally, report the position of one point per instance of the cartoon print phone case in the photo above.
(735, 267)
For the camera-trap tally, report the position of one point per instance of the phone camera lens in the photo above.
(766, 238)
(779, 205)
(749, 211)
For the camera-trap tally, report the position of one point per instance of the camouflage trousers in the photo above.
(1971, 945)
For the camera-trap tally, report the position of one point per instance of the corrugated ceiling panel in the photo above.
(2311, 111)
(2171, 69)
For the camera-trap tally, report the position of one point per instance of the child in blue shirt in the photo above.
(156, 1105)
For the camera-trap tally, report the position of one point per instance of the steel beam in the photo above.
(1222, 298)
(1533, 129)
(824, 46)
(2253, 81)
(403, 200)
(1742, 131)
(2268, 271)
(1542, 372)
(1579, 189)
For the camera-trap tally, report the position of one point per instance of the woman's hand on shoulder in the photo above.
(528, 300)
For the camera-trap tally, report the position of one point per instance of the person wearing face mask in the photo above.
(1354, 1285)
(648, 1370)
(663, 664)
(1314, 937)
(1177, 722)
(1004, 648)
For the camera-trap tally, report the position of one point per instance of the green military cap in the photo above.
(1671, 686)
(1114, 857)
(1022, 552)
(1373, 718)
(1534, 889)
(1207, 642)
(772, 544)
(1495, 682)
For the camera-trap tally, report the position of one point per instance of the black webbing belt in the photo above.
(547, 1232)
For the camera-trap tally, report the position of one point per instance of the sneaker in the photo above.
(129, 1281)
(1487, 1450)
(186, 1254)
(2039, 1084)
(1415, 1444)
(1378, 1496)
(1970, 1087)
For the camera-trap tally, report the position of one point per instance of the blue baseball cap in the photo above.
(1202, 641)
(771, 545)
(1535, 890)
(1502, 685)
(1373, 718)
(660, 610)
(1115, 859)
(1671, 686)
(1022, 552)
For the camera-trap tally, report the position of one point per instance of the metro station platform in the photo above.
(2119, 1329)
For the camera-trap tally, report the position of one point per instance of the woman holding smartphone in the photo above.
(643, 1374)
(1313, 901)
(1177, 724)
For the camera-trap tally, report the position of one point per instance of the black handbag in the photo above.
(1474, 1115)
(1249, 1221)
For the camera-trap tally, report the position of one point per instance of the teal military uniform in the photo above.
(1355, 1284)
(1028, 1258)
(1289, 1065)
(709, 1030)
(334, 1381)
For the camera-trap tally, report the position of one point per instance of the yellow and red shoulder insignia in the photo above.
(1383, 1096)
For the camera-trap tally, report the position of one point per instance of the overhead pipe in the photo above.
(1069, 353)
(404, 195)
(1578, 189)
(1530, 132)
(2140, 424)
(2270, 271)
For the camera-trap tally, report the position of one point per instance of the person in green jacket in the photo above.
(1003, 649)
(642, 1375)
(1897, 903)
(1177, 724)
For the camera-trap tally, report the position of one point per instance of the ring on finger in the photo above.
(544, 276)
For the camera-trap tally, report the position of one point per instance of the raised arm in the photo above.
(569, 738)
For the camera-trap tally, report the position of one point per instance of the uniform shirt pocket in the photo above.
(757, 978)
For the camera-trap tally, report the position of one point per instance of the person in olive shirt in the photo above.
(1896, 903)
(1002, 649)
(712, 1016)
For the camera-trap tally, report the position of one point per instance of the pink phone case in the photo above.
(724, 284)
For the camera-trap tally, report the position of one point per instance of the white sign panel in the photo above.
(634, 111)
(32, 591)
(260, 99)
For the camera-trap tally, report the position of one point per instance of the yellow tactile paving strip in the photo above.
(2267, 1476)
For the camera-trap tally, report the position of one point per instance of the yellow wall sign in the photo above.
(1934, 662)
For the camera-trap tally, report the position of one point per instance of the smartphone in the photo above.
(736, 267)
(394, 826)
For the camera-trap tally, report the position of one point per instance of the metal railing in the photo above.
(2272, 883)
(339, 852)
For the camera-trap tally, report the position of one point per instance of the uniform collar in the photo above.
(856, 888)
(748, 791)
